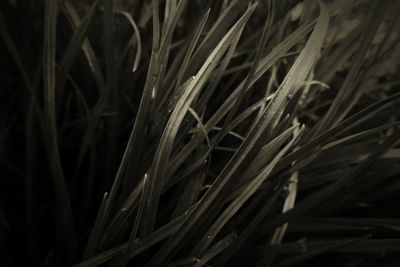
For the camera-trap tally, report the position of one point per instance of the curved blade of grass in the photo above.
(375, 17)
(93, 62)
(253, 69)
(213, 36)
(194, 38)
(125, 213)
(288, 204)
(259, 160)
(360, 135)
(132, 239)
(279, 233)
(160, 163)
(158, 235)
(266, 63)
(136, 136)
(363, 246)
(325, 193)
(95, 235)
(173, 12)
(170, 5)
(200, 125)
(136, 35)
(191, 192)
(320, 251)
(219, 247)
(164, 52)
(180, 65)
(251, 188)
(215, 80)
(243, 236)
(65, 232)
(187, 171)
(204, 99)
(343, 223)
(74, 47)
(339, 56)
(295, 77)
(362, 116)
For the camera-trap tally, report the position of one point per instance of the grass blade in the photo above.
(203, 73)
(137, 248)
(73, 48)
(159, 166)
(137, 36)
(374, 19)
(65, 235)
(295, 77)
(247, 192)
(216, 249)
(194, 38)
(93, 61)
(327, 192)
(319, 251)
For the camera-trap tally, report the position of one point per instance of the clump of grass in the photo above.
(199, 133)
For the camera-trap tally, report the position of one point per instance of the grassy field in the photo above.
(199, 133)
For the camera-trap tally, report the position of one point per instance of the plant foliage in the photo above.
(199, 133)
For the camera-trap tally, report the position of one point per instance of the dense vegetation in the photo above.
(199, 133)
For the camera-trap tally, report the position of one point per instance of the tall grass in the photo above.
(199, 133)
